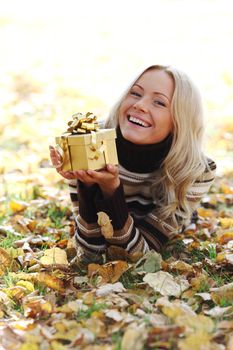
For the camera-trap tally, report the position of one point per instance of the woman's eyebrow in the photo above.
(154, 92)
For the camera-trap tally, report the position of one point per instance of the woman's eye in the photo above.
(160, 103)
(134, 93)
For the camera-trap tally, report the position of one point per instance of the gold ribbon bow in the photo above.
(82, 124)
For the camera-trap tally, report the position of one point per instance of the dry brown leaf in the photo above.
(37, 308)
(16, 292)
(5, 261)
(110, 272)
(105, 224)
(222, 294)
(117, 253)
(225, 237)
(181, 266)
(51, 281)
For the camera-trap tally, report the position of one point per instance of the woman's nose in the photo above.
(141, 105)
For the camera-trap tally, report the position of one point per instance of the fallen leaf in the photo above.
(27, 285)
(51, 281)
(105, 224)
(166, 284)
(5, 261)
(181, 266)
(150, 262)
(206, 213)
(225, 237)
(110, 272)
(218, 311)
(110, 288)
(226, 223)
(196, 323)
(17, 206)
(222, 294)
(196, 341)
(54, 255)
(37, 308)
(133, 339)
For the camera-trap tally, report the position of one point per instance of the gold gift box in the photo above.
(88, 151)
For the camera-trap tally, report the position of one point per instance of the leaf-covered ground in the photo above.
(181, 299)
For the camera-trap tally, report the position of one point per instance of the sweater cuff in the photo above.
(115, 206)
(86, 197)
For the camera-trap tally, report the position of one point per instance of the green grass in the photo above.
(85, 314)
(130, 280)
(116, 340)
(7, 242)
(57, 215)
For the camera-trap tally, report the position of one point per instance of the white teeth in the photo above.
(138, 121)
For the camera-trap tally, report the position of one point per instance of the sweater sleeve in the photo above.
(149, 232)
(88, 235)
(126, 234)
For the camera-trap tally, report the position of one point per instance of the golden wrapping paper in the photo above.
(85, 146)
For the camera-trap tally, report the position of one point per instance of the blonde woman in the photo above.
(162, 173)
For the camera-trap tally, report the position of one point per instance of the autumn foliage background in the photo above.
(58, 58)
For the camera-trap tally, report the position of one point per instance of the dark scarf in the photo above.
(141, 158)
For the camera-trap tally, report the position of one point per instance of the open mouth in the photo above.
(138, 122)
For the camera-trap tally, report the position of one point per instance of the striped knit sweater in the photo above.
(132, 210)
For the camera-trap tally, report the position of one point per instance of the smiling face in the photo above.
(145, 114)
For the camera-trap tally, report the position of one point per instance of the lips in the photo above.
(138, 121)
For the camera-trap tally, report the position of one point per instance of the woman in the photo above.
(162, 173)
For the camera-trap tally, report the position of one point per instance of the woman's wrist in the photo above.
(109, 190)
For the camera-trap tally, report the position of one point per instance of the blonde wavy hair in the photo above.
(185, 162)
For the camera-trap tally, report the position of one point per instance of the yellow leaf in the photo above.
(221, 257)
(225, 237)
(206, 213)
(133, 339)
(105, 224)
(28, 285)
(16, 292)
(5, 261)
(51, 281)
(54, 256)
(18, 206)
(226, 222)
(181, 266)
(226, 189)
(29, 346)
(196, 341)
(196, 323)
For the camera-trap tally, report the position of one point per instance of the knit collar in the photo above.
(141, 158)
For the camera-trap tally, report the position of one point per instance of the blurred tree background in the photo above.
(60, 57)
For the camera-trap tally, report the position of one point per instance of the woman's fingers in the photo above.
(56, 158)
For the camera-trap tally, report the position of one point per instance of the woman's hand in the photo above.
(107, 179)
(56, 160)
